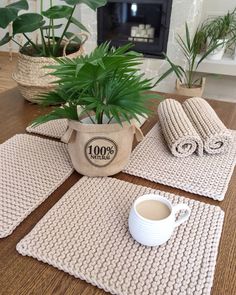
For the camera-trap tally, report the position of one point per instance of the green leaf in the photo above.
(10, 12)
(5, 39)
(58, 11)
(78, 24)
(27, 22)
(7, 16)
(93, 4)
(52, 27)
(22, 4)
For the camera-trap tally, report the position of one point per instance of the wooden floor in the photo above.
(7, 67)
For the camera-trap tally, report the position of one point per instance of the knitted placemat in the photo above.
(180, 135)
(208, 175)
(214, 134)
(86, 235)
(54, 129)
(31, 169)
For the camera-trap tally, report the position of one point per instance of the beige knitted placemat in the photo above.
(214, 134)
(180, 135)
(54, 129)
(208, 175)
(31, 169)
(86, 235)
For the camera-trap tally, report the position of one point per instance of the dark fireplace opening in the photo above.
(145, 23)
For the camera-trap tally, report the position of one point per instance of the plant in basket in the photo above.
(187, 83)
(53, 28)
(101, 95)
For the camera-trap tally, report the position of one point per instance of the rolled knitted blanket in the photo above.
(215, 136)
(180, 135)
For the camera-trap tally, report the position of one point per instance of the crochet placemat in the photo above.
(86, 235)
(208, 175)
(31, 169)
(54, 129)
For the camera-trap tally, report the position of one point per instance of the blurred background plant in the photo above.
(191, 47)
(51, 44)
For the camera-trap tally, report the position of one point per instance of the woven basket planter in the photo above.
(32, 75)
(195, 91)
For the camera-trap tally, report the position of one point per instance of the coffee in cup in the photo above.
(152, 219)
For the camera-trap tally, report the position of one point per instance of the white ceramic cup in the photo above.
(150, 232)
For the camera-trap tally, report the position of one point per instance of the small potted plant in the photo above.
(111, 92)
(33, 56)
(187, 83)
(219, 30)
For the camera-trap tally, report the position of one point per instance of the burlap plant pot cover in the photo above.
(100, 149)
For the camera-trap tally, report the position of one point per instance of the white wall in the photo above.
(217, 7)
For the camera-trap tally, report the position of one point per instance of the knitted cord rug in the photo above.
(208, 175)
(31, 169)
(86, 235)
(54, 129)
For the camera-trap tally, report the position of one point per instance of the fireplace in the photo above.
(145, 23)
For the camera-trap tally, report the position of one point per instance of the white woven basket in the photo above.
(32, 75)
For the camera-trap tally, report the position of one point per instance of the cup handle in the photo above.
(185, 216)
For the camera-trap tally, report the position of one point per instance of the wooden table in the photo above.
(25, 275)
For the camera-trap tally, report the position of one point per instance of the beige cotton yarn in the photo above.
(208, 175)
(54, 129)
(215, 136)
(86, 235)
(31, 168)
(180, 135)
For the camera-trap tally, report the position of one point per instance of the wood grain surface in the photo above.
(25, 275)
(7, 67)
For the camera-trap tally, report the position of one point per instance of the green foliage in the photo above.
(44, 22)
(190, 48)
(221, 27)
(106, 84)
(10, 12)
(56, 12)
(93, 4)
(27, 22)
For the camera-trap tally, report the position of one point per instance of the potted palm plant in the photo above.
(187, 83)
(34, 56)
(220, 30)
(111, 92)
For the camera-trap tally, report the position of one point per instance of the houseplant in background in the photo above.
(220, 30)
(109, 89)
(53, 26)
(187, 83)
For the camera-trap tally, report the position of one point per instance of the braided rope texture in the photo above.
(54, 129)
(215, 136)
(86, 235)
(180, 135)
(208, 175)
(31, 169)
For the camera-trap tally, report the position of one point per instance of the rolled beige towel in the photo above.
(215, 136)
(179, 133)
